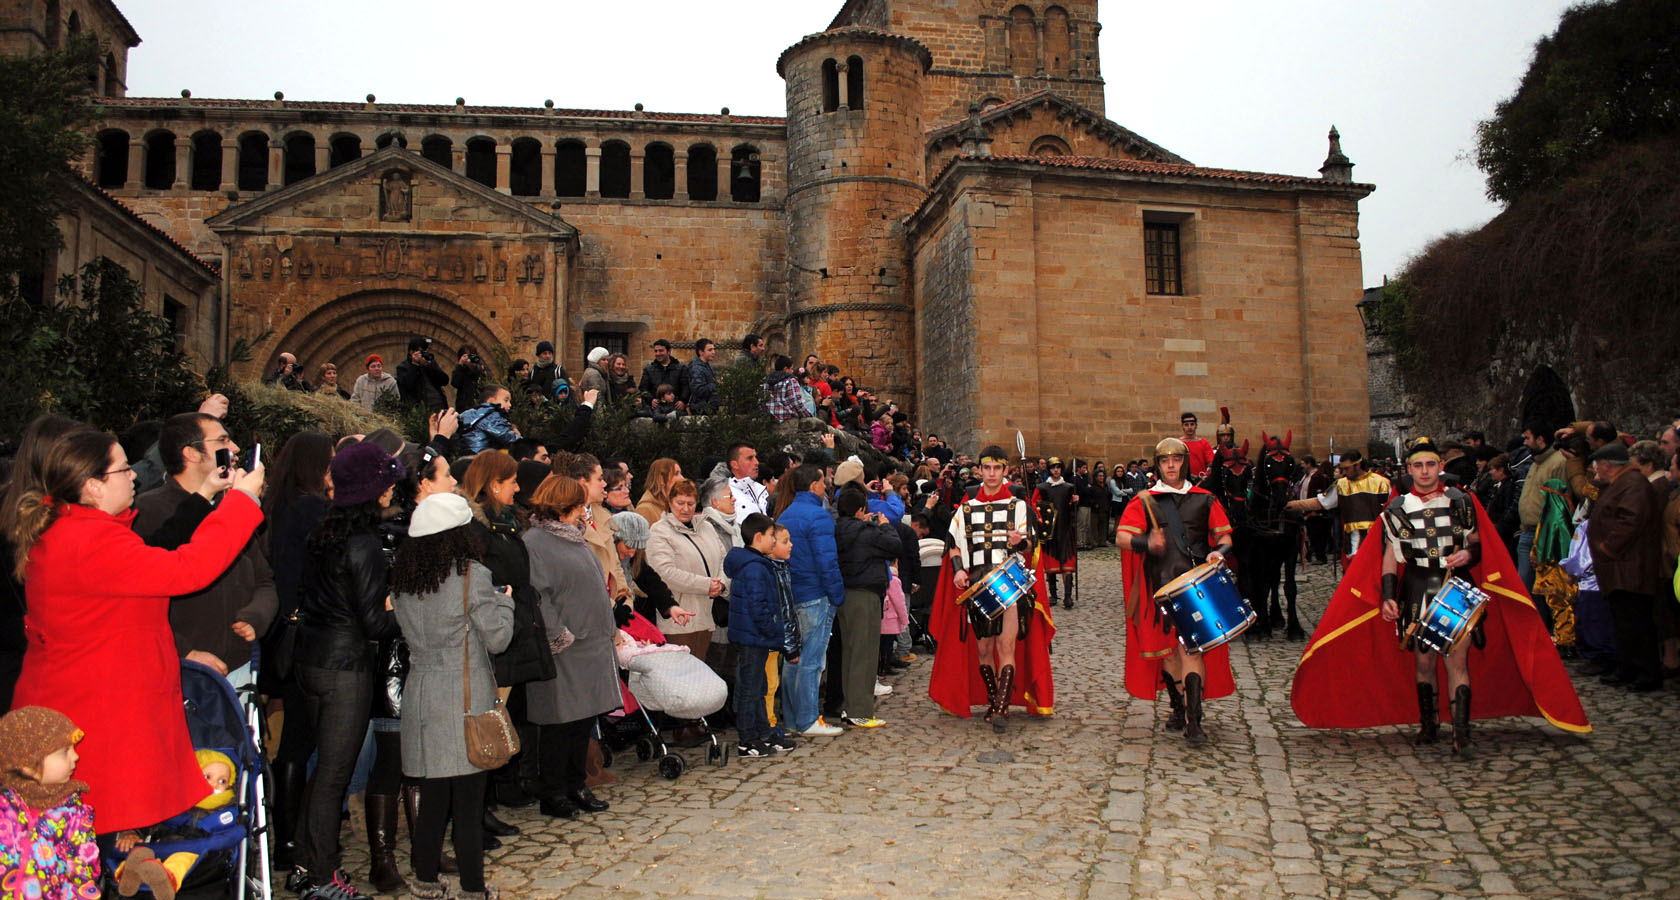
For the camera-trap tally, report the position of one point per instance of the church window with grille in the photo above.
(1162, 263)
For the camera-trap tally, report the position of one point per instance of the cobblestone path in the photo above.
(1099, 801)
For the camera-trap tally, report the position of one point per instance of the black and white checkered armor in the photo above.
(1424, 533)
(988, 524)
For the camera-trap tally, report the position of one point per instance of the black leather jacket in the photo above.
(341, 608)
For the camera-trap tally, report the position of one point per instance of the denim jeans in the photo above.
(751, 719)
(800, 680)
(338, 703)
(1525, 571)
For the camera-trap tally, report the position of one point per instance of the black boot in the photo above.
(382, 844)
(989, 678)
(411, 811)
(494, 827)
(1175, 719)
(1067, 592)
(289, 779)
(1462, 746)
(1006, 682)
(1429, 715)
(1193, 733)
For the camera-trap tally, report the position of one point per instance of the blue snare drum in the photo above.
(1000, 589)
(1448, 617)
(1206, 607)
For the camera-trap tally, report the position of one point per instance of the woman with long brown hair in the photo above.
(32, 451)
(98, 616)
(662, 473)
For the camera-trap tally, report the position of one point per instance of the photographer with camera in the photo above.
(285, 374)
(420, 380)
(469, 368)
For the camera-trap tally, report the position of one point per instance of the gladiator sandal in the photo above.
(1175, 719)
(1006, 681)
(1429, 715)
(1462, 746)
(1193, 733)
(990, 679)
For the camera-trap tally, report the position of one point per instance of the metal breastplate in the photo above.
(1428, 535)
(988, 524)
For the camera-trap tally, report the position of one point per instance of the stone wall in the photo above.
(1083, 361)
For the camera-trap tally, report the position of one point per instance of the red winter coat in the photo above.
(101, 651)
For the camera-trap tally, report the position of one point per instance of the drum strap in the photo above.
(1174, 524)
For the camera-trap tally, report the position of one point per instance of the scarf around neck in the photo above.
(564, 530)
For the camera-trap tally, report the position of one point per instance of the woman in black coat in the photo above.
(342, 608)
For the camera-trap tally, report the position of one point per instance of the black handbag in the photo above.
(390, 674)
(527, 657)
(282, 646)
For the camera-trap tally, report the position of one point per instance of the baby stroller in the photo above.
(683, 691)
(231, 843)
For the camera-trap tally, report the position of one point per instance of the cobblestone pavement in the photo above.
(1100, 801)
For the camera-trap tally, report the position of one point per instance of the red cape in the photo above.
(955, 683)
(1143, 673)
(1354, 674)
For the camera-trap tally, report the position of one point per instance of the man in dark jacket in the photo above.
(419, 378)
(1624, 533)
(216, 625)
(663, 370)
(702, 381)
(867, 543)
(546, 372)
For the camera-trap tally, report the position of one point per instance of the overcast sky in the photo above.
(1230, 83)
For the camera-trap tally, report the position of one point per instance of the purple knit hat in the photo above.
(361, 472)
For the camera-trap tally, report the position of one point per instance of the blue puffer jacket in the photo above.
(754, 611)
(816, 558)
(485, 425)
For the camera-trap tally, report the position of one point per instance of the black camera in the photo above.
(475, 359)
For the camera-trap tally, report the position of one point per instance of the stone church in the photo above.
(945, 212)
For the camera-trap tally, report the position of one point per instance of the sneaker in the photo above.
(781, 744)
(870, 722)
(823, 729)
(339, 888)
(881, 690)
(754, 750)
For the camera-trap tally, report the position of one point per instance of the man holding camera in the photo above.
(469, 369)
(420, 380)
(285, 374)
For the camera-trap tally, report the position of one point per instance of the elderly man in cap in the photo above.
(1623, 534)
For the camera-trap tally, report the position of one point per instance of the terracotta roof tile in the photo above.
(845, 31)
(1172, 170)
(434, 109)
(212, 267)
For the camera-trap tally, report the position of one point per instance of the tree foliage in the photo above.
(1609, 75)
(45, 111)
(105, 360)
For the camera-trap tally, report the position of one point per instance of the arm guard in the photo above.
(1390, 587)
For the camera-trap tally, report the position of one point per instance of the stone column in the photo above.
(183, 162)
(547, 188)
(276, 164)
(1038, 29)
(230, 165)
(458, 158)
(680, 191)
(323, 157)
(845, 85)
(725, 185)
(592, 163)
(638, 173)
(136, 164)
(504, 167)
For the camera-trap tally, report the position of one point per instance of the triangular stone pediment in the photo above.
(1017, 127)
(392, 190)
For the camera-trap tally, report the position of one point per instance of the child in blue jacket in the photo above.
(758, 626)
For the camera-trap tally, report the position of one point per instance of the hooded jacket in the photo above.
(486, 425)
(865, 550)
(754, 608)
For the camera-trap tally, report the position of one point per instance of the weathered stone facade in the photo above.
(945, 212)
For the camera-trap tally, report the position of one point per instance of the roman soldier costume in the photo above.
(1053, 511)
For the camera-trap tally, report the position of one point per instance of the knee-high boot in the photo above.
(1193, 733)
(1462, 745)
(1006, 683)
(1429, 715)
(411, 811)
(989, 678)
(1175, 718)
(382, 843)
(289, 779)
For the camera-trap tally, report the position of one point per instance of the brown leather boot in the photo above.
(382, 843)
(594, 767)
(989, 678)
(1006, 683)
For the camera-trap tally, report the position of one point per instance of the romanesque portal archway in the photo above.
(346, 330)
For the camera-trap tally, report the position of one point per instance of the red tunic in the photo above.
(1150, 635)
(1354, 673)
(1201, 456)
(101, 652)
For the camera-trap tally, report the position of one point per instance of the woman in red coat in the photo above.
(100, 647)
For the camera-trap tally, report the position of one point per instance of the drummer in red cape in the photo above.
(1003, 660)
(1398, 617)
(1178, 527)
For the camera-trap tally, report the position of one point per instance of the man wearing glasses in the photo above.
(216, 625)
(1359, 494)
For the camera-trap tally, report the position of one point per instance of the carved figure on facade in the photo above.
(396, 196)
(245, 264)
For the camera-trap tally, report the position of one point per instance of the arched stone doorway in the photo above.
(346, 330)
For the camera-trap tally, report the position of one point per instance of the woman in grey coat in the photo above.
(572, 591)
(443, 598)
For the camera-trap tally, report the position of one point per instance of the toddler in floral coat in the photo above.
(47, 847)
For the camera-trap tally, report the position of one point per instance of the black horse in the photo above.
(1274, 539)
